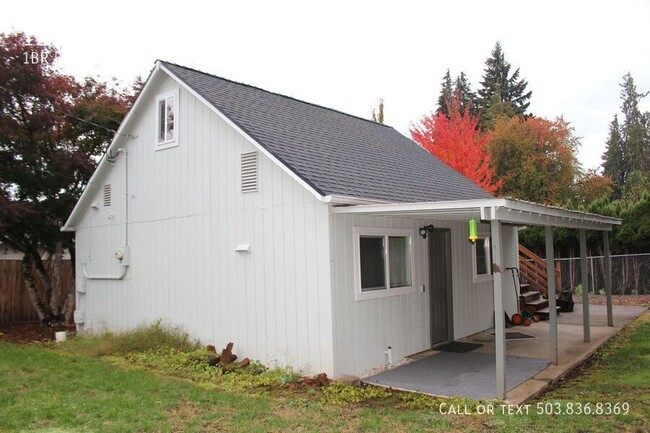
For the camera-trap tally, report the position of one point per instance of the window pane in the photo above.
(481, 256)
(161, 121)
(399, 256)
(373, 270)
(170, 118)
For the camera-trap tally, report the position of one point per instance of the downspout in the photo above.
(122, 254)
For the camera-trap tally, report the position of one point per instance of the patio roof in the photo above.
(505, 210)
(499, 211)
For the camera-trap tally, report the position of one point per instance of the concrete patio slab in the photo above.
(469, 374)
(466, 377)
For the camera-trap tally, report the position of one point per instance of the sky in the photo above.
(348, 54)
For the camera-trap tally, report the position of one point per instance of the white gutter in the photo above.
(347, 200)
(505, 210)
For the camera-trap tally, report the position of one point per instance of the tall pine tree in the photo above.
(615, 163)
(460, 88)
(628, 144)
(513, 89)
(634, 131)
(466, 94)
(446, 94)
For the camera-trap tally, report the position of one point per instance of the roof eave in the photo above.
(119, 137)
(292, 173)
(504, 210)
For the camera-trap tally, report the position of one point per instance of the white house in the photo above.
(290, 229)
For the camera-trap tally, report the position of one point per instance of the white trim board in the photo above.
(236, 127)
(505, 210)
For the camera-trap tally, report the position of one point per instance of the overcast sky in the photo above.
(347, 54)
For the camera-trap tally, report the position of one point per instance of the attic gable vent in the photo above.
(249, 171)
(107, 195)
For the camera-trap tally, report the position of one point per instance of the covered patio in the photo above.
(528, 372)
(502, 212)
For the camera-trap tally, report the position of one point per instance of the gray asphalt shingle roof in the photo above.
(335, 153)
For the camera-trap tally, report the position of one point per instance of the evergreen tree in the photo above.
(628, 144)
(446, 94)
(513, 89)
(451, 89)
(497, 109)
(634, 132)
(466, 95)
(615, 164)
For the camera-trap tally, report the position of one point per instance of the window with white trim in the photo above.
(383, 262)
(482, 259)
(167, 120)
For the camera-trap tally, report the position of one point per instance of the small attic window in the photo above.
(249, 172)
(167, 120)
(107, 195)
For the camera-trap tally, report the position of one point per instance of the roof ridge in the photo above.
(276, 94)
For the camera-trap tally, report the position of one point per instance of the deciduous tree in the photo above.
(591, 186)
(534, 158)
(47, 155)
(378, 116)
(458, 142)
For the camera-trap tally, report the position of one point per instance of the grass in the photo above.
(141, 339)
(618, 373)
(154, 380)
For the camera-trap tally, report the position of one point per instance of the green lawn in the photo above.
(48, 389)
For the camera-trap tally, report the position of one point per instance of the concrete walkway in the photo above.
(572, 351)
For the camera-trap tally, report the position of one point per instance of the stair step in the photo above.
(545, 312)
(538, 302)
(524, 286)
(536, 305)
(530, 295)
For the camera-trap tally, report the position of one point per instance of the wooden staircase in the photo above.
(534, 283)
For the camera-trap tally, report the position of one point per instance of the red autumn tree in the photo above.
(459, 143)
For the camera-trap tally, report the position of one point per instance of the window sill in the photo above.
(166, 145)
(482, 278)
(386, 293)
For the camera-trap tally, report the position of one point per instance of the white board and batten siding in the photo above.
(187, 216)
(364, 329)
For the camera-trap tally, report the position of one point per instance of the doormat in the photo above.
(423, 354)
(515, 335)
(458, 347)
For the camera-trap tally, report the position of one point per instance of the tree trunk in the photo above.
(42, 309)
(68, 307)
(57, 259)
(45, 278)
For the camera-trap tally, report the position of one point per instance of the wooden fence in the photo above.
(15, 304)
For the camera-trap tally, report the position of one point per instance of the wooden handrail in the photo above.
(534, 270)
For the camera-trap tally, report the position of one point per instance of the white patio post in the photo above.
(499, 324)
(608, 278)
(585, 286)
(550, 271)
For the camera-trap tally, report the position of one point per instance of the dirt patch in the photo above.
(181, 414)
(25, 333)
(627, 300)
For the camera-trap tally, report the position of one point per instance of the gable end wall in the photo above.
(186, 216)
